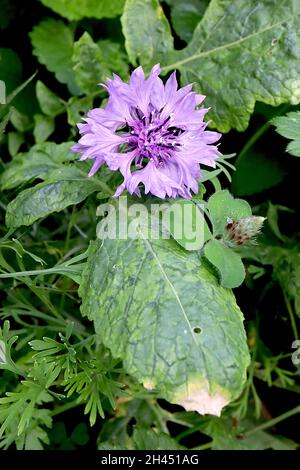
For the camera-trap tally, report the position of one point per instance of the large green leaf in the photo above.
(159, 309)
(39, 162)
(94, 62)
(289, 126)
(67, 187)
(242, 52)
(52, 43)
(77, 9)
(147, 32)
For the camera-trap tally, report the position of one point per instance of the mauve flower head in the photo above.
(154, 134)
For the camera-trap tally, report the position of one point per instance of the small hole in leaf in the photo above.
(197, 330)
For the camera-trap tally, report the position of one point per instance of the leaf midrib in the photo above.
(179, 63)
(173, 290)
(155, 257)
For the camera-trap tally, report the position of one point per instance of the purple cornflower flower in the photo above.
(152, 133)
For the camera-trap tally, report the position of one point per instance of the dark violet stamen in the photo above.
(150, 135)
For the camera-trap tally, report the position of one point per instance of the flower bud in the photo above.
(239, 232)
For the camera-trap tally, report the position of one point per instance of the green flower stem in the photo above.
(276, 383)
(260, 131)
(249, 144)
(273, 422)
(187, 432)
(55, 270)
(292, 316)
(159, 417)
(65, 407)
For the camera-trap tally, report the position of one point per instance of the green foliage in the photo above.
(43, 128)
(285, 263)
(223, 209)
(187, 224)
(69, 366)
(20, 121)
(289, 126)
(148, 38)
(15, 140)
(185, 16)
(94, 62)
(50, 104)
(147, 439)
(266, 173)
(78, 9)
(237, 66)
(226, 437)
(223, 206)
(39, 162)
(77, 107)
(227, 262)
(62, 441)
(55, 54)
(164, 322)
(65, 187)
(234, 66)
(11, 69)
(63, 184)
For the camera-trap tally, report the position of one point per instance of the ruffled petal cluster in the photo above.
(153, 133)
